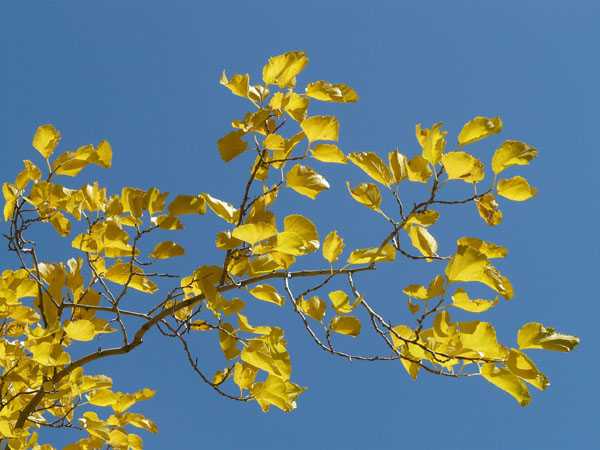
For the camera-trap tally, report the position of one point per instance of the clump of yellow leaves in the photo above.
(46, 307)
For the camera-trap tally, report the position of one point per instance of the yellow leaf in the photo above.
(228, 341)
(71, 163)
(187, 204)
(331, 92)
(49, 354)
(231, 145)
(45, 140)
(418, 170)
(366, 194)
(29, 173)
(296, 106)
(275, 391)
(432, 141)
(9, 192)
(329, 153)
(371, 255)
(220, 376)
(139, 421)
(435, 289)
(224, 210)
(372, 165)
(487, 206)
(516, 188)
(266, 293)
(245, 326)
(135, 278)
(424, 218)
(470, 265)
(333, 246)
(302, 226)
(461, 300)
(341, 302)
(423, 240)
(523, 367)
(283, 69)
(80, 330)
(225, 240)
(254, 232)
(238, 84)
(167, 222)
(268, 353)
(347, 325)
(479, 128)
(166, 250)
(244, 375)
(321, 128)
(413, 307)
(60, 223)
(313, 307)
(489, 249)
(306, 181)
(398, 165)
(512, 153)
(537, 336)
(463, 166)
(507, 381)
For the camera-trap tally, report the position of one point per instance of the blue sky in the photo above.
(144, 75)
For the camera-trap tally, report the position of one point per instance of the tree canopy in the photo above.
(52, 312)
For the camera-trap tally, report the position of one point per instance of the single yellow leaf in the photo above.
(10, 193)
(512, 153)
(276, 391)
(267, 293)
(516, 188)
(423, 240)
(488, 209)
(238, 84)
(479, 128)
(314, 307)
(372, 165)
(244, 375)
(329, 153)
(134, 277)
(398, 165)
(432, 141)
(507, 381)
(461, 300)
(306, 181)
(224, 210)
(166, 250)
(367, 194)
(372, 255)
(331, 92)
(321, 128)
(80, 330)
(333, 246)
(435, 289)
(187, 204)
(232, 145)
(489, 249)
(341, 302)
(418, 170)
(283, 69)
(254, 232)
(463, 166)
(347, 325)
(536, 336)
(46, 139)
(523, 367)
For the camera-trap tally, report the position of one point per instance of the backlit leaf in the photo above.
(224, 210)
(333, 246)
(187, 204)
(488, 209)
(398, 165)
(267, 293)
(461, 300)
(507, 381)
(254, 232)
(372, 165)
(463, 166)
(321, 128)
(418, 169)
(520, 364)
(231, 145)
(537, 336)
(423, 240)
(306, 181)
(367, 194)
(283, 69)
(329, 153)
(331, 92)
(238, 83)
(347, 325)
(512, 153)
(371, 255)
(516, 188)
(313, 307)
(166, 250)
(479, 128)
(46, 139)
(432, 141)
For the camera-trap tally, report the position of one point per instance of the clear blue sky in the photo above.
(144, 75)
